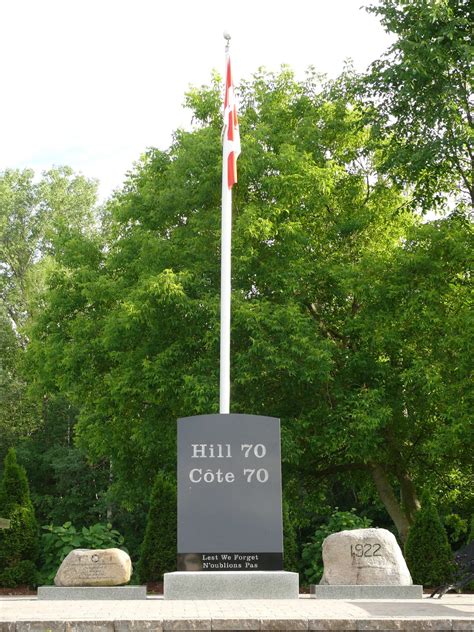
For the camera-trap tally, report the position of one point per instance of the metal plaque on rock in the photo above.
(229, 493)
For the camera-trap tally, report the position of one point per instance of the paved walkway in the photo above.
(27, 614)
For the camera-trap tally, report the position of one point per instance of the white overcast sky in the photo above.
(92, 83)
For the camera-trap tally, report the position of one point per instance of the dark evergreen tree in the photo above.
(427, 551)
(290, 543)
(19, 545)
(158, 551)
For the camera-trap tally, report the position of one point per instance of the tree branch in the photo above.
(330, 332)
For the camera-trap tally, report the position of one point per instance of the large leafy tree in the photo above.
(130, 332)
(36, 215)
(339, 295)
(422, 93)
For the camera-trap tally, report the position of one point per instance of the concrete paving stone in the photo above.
(40, 626)
(348, 625)
(235, 624)
(186, 625)
(138, 626)
(89, 626)
(463, 624)
(453, 612)
(407, 625)
(284, 624)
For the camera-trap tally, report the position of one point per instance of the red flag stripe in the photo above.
(231, 130)
(231, 170)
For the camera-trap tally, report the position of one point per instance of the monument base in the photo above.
(231, 585)
(91, 592)
(334, 591)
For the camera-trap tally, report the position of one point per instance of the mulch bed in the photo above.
(19, 590)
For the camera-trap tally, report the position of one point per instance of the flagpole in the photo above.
(226, 241)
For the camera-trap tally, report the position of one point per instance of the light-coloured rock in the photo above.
(364, 557)
(94, 567)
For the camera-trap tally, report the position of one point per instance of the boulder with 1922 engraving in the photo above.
(364, 557)
(94, 567)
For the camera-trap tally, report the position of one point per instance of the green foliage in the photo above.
(290, 542)
(57, 542)
(427, 551)
(422, 97)
(18, 544)
(35, 216)
(14, 488)
(19, 415)
(24, 573)
(64, 485)
(456, 530)
(158, 552)
(312, 552)
(350, 318)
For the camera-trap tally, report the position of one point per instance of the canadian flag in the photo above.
(231, 144)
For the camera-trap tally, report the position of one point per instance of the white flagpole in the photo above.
(226, 239)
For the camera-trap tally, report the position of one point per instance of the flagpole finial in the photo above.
(227, 39)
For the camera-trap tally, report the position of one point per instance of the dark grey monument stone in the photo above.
(230, 534)
(229, 493)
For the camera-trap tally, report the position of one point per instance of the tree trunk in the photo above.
(409, 497)
(390, 501)
(109, 509)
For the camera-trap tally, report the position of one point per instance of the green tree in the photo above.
(427, 550)
(19, 545)
(18, 414)
(339, 298)
(158, 551)
(35, 215)
(64, 485)
(422, 93)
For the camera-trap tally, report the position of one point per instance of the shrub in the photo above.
(312, 552)
(456, 530)
(14, 489)
(427, 551)
(57, 542)
(158, 551)
(290, 544)
(18, 544)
